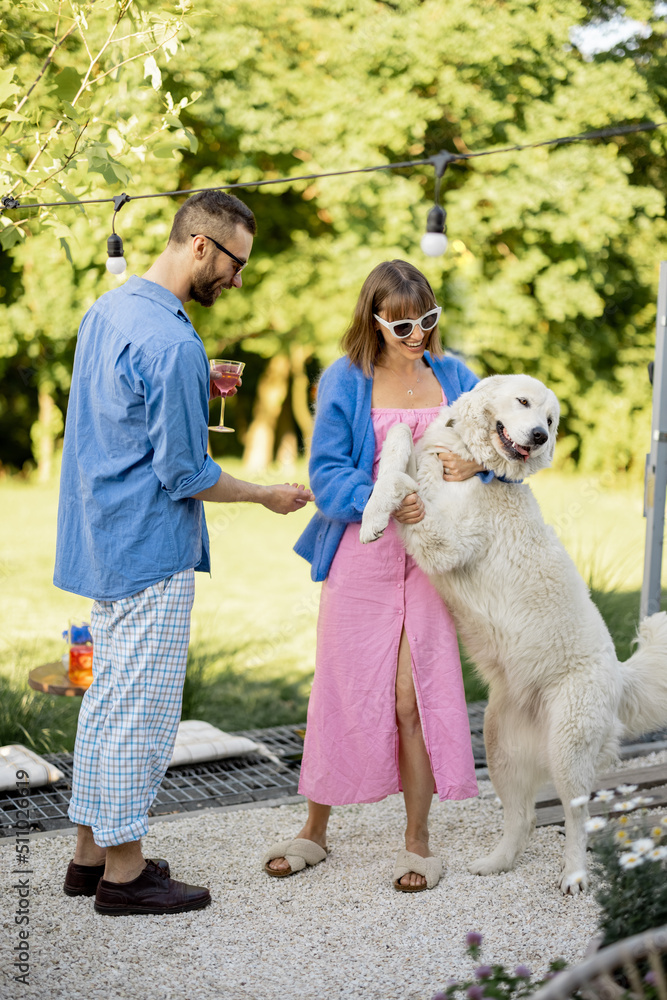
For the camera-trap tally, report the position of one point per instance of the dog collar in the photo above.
(503, 479)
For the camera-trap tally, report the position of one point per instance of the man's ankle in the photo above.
(125, 862)
(115, 873)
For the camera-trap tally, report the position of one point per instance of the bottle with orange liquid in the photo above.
(80, 642)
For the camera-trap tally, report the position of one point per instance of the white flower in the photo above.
(625, 806)
(621, 835)
(644, 800)
(642, 846)
(626, 789)
(605, 795)
(630, 860)
(581, 800)
(597, 823)
(657, 854)
(664, 821)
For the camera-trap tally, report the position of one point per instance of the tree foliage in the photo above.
(554, 252)
(83, 113)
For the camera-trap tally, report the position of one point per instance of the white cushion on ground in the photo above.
(15, 758)
(198, 741)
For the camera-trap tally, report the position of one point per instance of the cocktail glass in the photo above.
(225, 375)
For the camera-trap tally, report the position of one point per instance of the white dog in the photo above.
(558, 697)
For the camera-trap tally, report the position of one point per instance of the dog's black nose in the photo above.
(539, 435)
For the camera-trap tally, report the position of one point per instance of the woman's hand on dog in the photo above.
(455, 469)
(411, 510)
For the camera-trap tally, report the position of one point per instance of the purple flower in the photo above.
(651, 978)
(475, 993)
(523, 972)
(473, 939)
(484, 972)
(439, 996)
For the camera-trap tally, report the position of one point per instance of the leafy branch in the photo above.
(87, 81)
(47, 62)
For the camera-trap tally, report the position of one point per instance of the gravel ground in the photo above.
(337, 930)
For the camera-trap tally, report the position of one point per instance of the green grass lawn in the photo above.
(253, 627)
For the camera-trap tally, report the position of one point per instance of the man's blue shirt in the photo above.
(135, 447)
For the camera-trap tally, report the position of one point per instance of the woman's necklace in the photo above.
(410, 390)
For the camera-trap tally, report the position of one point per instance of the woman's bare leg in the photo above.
(315, 828)
(413, 761)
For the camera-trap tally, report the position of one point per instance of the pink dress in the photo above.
(371, 593)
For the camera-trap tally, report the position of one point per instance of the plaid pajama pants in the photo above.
(130, 713)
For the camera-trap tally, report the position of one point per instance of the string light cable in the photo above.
(434, 241)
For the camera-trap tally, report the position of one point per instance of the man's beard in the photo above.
(204, 286)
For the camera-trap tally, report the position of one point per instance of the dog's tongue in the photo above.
(522, 451)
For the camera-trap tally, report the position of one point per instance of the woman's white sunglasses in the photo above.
(402, 328)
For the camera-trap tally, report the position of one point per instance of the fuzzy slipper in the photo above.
(406, 861)
(298, 853)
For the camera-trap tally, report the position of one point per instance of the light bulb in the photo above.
(116, 265)
(434, 244)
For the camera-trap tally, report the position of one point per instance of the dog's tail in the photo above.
(643, 705)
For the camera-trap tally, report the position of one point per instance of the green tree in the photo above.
(83, 113)
(554, 253)
(552, 267)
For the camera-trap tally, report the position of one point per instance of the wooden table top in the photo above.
(51, 678)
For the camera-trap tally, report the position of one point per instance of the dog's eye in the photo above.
(549, 421)
(524, 402)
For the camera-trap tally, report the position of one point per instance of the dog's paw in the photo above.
(373, 526)
(367, 535)
(573, 883)
(490, 865)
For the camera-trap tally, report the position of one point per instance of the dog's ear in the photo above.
(552, 448)
(554, 427)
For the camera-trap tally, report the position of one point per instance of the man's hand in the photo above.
(411, 510)
(456, 469)
(285, 498)
(214, 391)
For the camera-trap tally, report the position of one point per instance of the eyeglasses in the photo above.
(402, 328)
(240, 264)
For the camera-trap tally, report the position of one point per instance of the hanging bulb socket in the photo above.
(116, 262)
(115, 246)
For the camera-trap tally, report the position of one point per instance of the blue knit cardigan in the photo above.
(343, 449)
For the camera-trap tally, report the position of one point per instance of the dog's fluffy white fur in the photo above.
(558, 697)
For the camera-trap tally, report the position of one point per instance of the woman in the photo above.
(387, 709)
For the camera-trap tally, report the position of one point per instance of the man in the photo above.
(132, 532)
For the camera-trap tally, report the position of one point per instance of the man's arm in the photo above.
(281, 499)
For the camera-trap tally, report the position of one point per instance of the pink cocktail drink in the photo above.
(224, 380)
(225, 375)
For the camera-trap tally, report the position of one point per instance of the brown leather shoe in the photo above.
(81, 880)
(151, 892)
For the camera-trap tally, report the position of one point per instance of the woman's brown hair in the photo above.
(398, 289)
